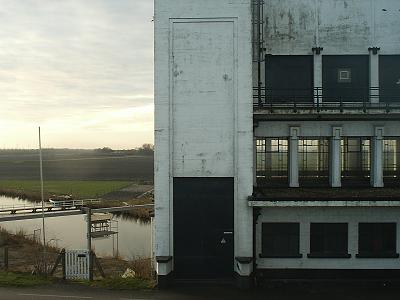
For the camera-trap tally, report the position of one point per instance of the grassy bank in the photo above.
(22, 279)
(25, 257)
(30, 189)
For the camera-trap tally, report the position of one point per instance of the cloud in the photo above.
(74, 61)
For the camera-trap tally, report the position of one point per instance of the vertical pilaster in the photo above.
(317, 75)
(377, 158)
(255, 161)
(374, 74)
(293, 165)
(335, 158)
(268, 158)
(397, 156)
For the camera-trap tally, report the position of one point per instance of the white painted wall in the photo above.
(203, 107)
(350, 215)
(324, 128)
(339, 26)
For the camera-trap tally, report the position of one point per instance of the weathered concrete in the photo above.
(340, 26)
(325, 214)
(203, 107)
(335, 158)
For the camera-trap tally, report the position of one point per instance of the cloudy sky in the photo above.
(81, 69)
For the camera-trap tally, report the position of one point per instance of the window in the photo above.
(389, 78)
(377, 240)
(356, 159)
(280, 240)
(289, 78)
(328, 240)
(345, 78)
(313, 160)
(272, 161)
(391, 160)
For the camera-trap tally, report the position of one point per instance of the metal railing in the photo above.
(319, 98)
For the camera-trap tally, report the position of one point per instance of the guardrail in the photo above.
(35, 207)
(330, 98)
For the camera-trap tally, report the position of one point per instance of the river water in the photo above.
(134, 237)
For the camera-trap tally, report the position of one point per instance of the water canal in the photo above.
(134, 237)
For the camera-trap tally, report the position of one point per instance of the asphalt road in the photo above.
(284, 292)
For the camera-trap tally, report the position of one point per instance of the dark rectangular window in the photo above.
(289, 78)
(280, 240)
(328, 240)
(377, 240)
(345, 78)
(389, 78)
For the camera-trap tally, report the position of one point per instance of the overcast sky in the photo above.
(81, 69)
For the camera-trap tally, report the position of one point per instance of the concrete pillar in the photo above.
(377, 158)
(335, 158)
(255, 161)
(317, 75)
(268, 158)
(374, 74)
(397, 156)
(293, 166)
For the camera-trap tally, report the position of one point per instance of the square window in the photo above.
(377, 240)
(344, 75)
(280, 240)
(328, 240)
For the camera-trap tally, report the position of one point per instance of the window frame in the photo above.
(325, 231)
(266, 254)
(383, 254)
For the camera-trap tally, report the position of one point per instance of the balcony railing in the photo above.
(319, 98)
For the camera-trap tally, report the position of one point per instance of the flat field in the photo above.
(79, 189)
(75, 165)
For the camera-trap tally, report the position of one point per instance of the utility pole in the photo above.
(89, 240)
(42, 196)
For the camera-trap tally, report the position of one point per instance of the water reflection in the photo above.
(134, 238)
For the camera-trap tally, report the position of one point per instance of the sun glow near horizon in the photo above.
(82, 71)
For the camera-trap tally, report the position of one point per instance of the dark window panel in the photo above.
(289, 78)
(389, 78)
(377, 239)
(280, 239)
(353, 89)
(329, 239)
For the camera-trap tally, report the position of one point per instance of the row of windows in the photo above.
(329, 240)
(344, 78)
(272, 158)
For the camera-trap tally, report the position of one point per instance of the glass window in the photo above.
(328, 240)
(377, 240)
(280, 240)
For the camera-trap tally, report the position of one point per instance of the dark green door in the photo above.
(203, 227)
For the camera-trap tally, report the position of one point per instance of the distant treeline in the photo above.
(145, 149)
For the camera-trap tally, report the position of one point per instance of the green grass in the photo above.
(22, 279)
(79, 189)
(118, 283)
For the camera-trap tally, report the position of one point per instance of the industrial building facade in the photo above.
(277, 139)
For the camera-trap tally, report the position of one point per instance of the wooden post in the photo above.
(6, 258)
(58, 260)
(63, 264)
(89, 241)
(91, 254)
(98, 265)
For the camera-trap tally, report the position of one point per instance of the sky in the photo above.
(80, 69)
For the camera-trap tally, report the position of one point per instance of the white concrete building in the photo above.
(277, 138)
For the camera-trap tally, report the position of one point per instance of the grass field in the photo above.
(75, 165)
(79, 189)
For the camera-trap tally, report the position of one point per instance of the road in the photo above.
(284, 292)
